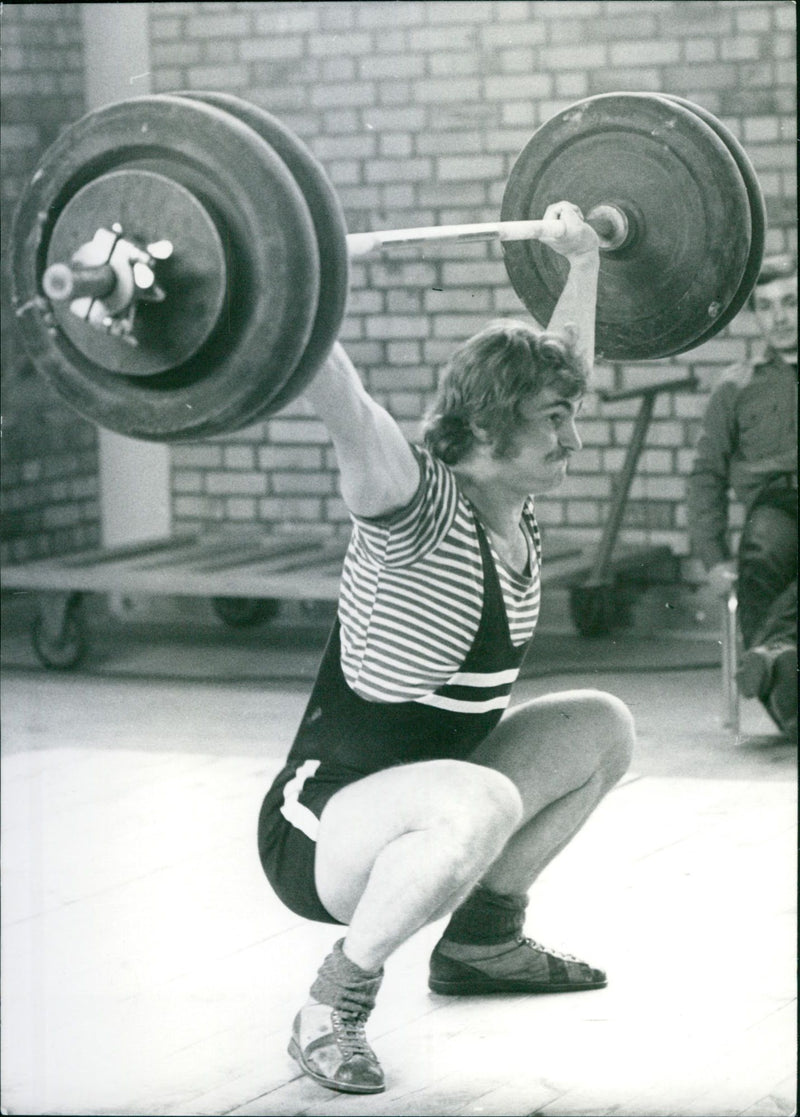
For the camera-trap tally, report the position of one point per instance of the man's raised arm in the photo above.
(577, 304)
(378, 470)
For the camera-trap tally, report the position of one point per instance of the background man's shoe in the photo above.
(754, 673)
(782, 700)
(770, 674)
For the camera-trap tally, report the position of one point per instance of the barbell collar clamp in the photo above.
(613, 224)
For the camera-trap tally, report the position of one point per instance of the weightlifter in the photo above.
(409, 794)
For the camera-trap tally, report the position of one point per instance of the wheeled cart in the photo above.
(246, 577)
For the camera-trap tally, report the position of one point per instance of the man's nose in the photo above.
(570, 438)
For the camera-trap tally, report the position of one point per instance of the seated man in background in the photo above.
(749, 444)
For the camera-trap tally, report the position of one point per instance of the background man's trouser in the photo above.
(767, 574)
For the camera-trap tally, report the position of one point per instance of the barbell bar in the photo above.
(609, 222)
(180, 262)
(62, 282)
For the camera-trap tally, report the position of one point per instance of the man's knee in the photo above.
(769, 536)
(478, 809)
(614, 734)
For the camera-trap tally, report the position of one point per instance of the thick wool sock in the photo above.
(343, 985)
(487, 917)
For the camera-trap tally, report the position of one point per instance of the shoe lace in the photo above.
(350, 1036)
(548, 950)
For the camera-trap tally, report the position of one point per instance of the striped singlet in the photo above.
(424, 600)
(412, 591)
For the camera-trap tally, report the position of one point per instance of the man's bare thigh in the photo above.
(362, 818)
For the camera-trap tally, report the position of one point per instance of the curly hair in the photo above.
(487, 378)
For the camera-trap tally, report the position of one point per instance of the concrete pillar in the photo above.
(135, 499)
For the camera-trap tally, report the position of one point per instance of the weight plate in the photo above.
(758, 216)
(681, 187)
(272, 264)
(329, 225)
(168, 333)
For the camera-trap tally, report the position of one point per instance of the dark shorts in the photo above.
(287, 833)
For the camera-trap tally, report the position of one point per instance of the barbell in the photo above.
(181, 262)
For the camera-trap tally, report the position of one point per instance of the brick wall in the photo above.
(49, 455)
(418, 110)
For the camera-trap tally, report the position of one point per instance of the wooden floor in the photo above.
(147, 968)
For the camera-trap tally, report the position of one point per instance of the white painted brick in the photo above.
(643, 52)
(700, 50)
(302, 484)
(586, 55)
(468, 167)
(290, 457)
(740, 48)
(241, 509)
(446, 91)
(513, 34)
(286, 20)
(395, 326)
(258, 49)
(232, 482)
(403, 352)
(531, 86)
(286, 508)
(187, 481)
(452, 64)
(238, 457)
(582, 512)
(577, 485)
(201, 456)
(217, 77)
(348, 94)
(403, 302)
(297, 430)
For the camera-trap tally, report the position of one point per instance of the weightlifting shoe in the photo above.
(782, 701)
(770, 674)
(518, 966)
(331, 1048)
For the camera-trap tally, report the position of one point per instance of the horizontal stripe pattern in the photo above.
(487, 678)
(473, 692)
(411, 593)
(463, 705)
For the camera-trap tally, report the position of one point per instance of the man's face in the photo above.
(775, 308)
(545, 440)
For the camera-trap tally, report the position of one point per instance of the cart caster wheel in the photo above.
(65, 649)
(594, 610)
(245, 612)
